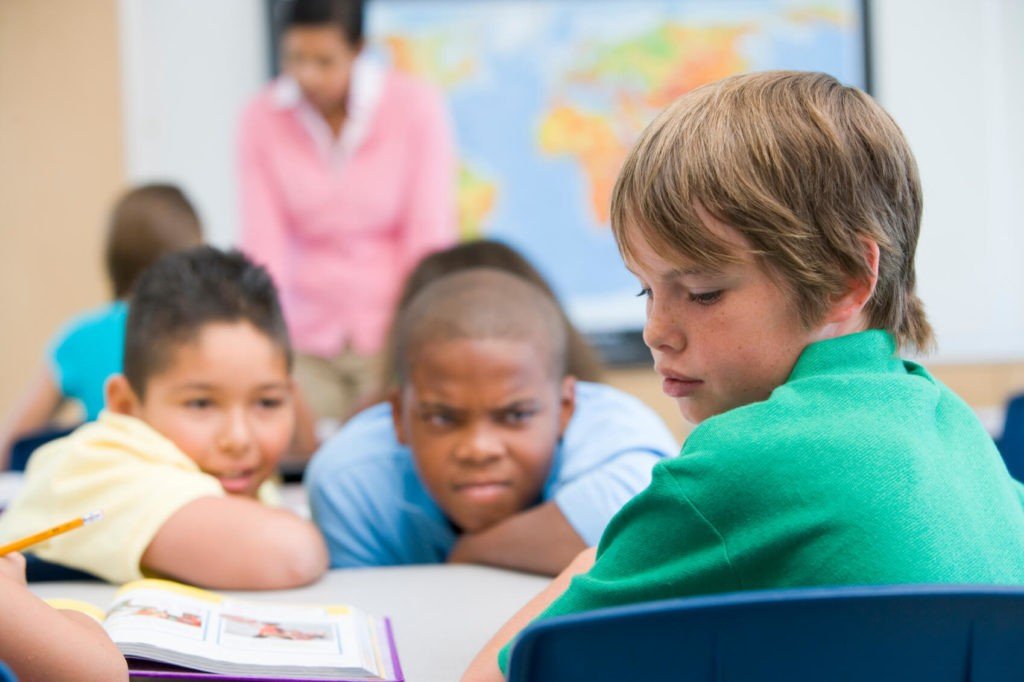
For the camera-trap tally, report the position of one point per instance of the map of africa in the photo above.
(548, 96)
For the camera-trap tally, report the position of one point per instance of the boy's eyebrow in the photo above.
(435, 406)
(518, 405)
(194, 386)
(691, 271)
(697, 271)
(205, 386)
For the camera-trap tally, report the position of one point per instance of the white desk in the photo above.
(442, 615)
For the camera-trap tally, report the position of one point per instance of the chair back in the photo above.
(904, 632)
(1011, 443)
(42, 571)
(23, 448)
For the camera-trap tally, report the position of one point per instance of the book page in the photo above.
(193, 624)
(85, 607)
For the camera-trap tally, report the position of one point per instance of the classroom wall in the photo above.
(189, 66)
(948, 70)
(60, 167)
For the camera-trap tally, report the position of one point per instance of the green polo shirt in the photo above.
(860, 469)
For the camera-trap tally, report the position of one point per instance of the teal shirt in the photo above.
(87, 351)
(860, 469)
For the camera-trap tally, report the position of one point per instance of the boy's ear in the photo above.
(119, 396)
(396, 399)
(568, 402)
(859, 291)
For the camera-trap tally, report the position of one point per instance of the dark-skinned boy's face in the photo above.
(482, 418)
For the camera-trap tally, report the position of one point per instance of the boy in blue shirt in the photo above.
(488, 451)
(772, 219)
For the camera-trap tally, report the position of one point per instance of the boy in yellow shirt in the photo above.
(180, 458)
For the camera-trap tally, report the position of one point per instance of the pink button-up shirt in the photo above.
(340, 222)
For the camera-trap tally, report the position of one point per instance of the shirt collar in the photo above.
(869, 351)
(365, 89)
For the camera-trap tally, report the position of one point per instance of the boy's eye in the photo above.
(199, 403)
(514, 417)
(706, 298)
(270, 403)
(645, 292)
(438, 419)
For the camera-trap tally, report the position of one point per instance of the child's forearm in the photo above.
(538, 540)
(41, 643)
(241, 545)
(484, 667)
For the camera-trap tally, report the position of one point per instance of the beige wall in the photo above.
(60, 168)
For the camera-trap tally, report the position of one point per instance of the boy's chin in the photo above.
(477, 523)
(694, 414)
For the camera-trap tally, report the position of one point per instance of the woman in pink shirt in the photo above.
(347, 180)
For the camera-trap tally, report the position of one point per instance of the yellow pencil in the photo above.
(21, 544)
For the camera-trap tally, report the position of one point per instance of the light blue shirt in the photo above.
(373, 510)
(88, 350)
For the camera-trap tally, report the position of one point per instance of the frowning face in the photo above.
(483, 418)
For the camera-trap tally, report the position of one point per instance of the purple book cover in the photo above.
(141, 669)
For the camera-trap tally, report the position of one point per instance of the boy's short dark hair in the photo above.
(481, 304)
(184, 291)
(583, 362)
(344, 15)
(805, 168)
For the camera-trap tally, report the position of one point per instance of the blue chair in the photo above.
(904, 632)
(1011, 443)
(23, 448)
(42, 571)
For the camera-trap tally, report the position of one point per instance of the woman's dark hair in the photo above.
(344, 15)
(582, 360)
(147, 222)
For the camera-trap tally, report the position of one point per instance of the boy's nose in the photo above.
(235, 436)
(480, 445)
(663, 330)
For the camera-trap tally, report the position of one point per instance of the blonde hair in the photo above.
(806, 169)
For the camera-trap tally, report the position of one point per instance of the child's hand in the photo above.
(12, 567)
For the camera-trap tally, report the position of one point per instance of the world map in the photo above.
(548, 96)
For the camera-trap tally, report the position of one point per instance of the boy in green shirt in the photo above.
(772, 220)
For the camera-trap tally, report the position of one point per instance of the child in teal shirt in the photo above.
(145, 223)
(772, 220)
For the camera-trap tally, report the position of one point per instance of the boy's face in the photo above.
(720, 339)
(225, 399)
(482, 418)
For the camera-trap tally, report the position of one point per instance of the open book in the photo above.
(171, 631)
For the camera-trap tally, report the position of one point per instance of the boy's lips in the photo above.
(678, 385)
(237, 483)
(482, 490)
